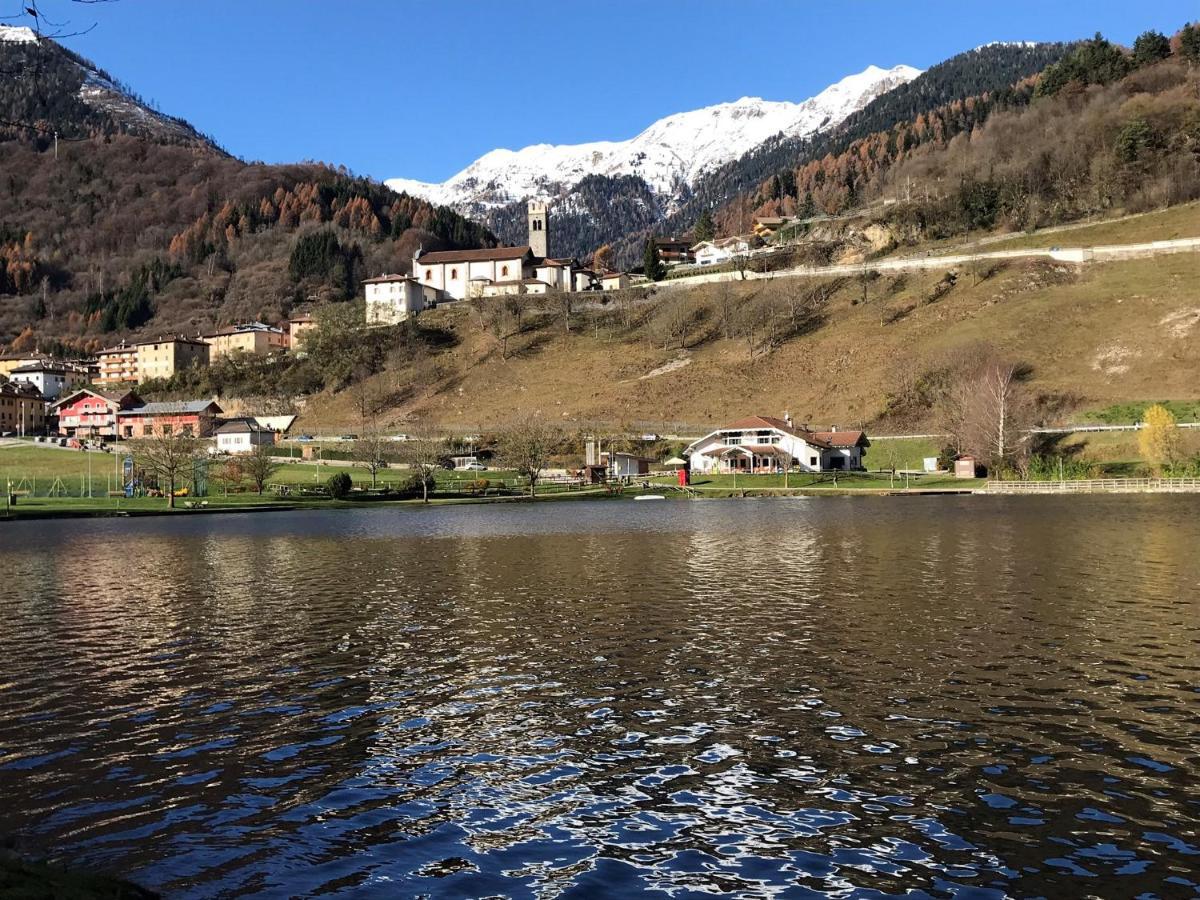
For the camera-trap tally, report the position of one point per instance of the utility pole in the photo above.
(56, 146)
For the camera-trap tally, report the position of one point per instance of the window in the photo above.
(454, 274)
(537, 224)
(504, 270)
(429, 274)
(166, 429)
(812, 460)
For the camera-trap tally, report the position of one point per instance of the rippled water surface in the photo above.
(932, 697)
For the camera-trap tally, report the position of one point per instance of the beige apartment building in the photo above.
(117, 365)
(164, 357)
(254, 337)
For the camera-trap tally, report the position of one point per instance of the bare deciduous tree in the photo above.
(423, 452)
(259, 465)
(986, 410)
(229, 473)
(526, 446)
(370, 452)
(167, 457)
(502, 316)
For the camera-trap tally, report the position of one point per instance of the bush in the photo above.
(414, 483)
(339, 485)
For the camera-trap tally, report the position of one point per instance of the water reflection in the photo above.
(961, 697)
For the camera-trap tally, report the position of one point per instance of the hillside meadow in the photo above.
(681, 361)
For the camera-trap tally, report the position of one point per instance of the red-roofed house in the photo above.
(765, 444)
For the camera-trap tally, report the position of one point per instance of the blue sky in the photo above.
(420, 89)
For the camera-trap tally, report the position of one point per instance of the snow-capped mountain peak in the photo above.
(670, 153)
(17, 34)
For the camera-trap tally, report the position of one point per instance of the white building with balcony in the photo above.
(761, 444)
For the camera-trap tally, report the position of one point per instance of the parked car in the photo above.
(347, 437)
(304, 437)
(474, 467)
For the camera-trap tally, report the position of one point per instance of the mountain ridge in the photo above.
(669, 154)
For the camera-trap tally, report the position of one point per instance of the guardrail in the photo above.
(1096, 486)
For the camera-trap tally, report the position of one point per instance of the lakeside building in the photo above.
(253, 338)
(22, 409)
(197, 418)
(52, 379)
(92, 412)
(624, 465)
(762, 444)
(242, 436)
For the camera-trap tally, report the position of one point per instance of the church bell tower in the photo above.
(539, 228)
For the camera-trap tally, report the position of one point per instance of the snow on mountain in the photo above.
(672, 152)
(99, 91)
(17, 34)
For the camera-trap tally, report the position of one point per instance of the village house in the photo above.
(92, 412)
(22, 409)
(52, 379)
(297, 326)
(722, 250)
(393, 298)
(252, 338)
(11, 361)
(242, 436)
(117, 365)
(614, 281)
(674, 251)
(766, 227)
(164, 357)
(192, 417)
(761, 444)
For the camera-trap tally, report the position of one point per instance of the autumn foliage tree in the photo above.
(1158, 439)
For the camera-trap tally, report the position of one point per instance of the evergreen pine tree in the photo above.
(808, 208)
(1189, 43)
(1150, 47)
(704, 228)
(651, 264)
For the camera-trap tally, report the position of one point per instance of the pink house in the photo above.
(92, 413)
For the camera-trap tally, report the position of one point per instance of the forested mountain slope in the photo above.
(137, 224)
(1101, 131)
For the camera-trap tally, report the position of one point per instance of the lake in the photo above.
(970, 697)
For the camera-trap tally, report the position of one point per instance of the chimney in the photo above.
(787, 417)
(833, 429)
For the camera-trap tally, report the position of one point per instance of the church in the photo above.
(445, 275)
(460, 274)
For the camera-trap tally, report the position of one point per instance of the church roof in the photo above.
(459, 256)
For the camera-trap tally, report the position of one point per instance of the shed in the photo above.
(967, 467)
